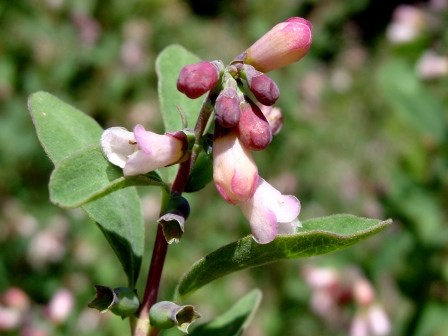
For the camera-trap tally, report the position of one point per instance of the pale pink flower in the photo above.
(60, 306)
(286, 43)
(141, 151)
(234, 170)
(371, 321)
(432, 65)
(270, 213)
(408, 23)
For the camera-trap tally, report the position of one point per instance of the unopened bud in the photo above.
(227, 107)
(274, 117)
(166, 314)
(196, 79)
(263, 87)
(285, 43)
(253, 128)
(121, 301)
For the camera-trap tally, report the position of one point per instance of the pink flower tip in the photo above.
(286, 43)
(271, 213)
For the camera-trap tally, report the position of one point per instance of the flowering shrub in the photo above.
(98, 170)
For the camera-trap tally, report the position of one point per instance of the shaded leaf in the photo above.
(318, 236)
(119, 217)
(62, 131)
(234, 321)
(410, 100)
(88, 175)
(201, 174)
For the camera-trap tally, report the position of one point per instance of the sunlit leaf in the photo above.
(87, 175)
(168, 65)
(63, 131)
(176, 108)
(318, 236)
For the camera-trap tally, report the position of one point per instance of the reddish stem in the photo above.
(160, 248)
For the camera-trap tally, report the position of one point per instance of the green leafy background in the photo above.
(362, 134)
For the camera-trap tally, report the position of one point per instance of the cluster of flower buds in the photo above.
(242, 95)
(241, 127)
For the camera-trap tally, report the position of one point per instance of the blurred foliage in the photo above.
(365, 132)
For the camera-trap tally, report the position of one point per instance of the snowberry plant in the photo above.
(205, 139)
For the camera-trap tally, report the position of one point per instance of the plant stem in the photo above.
(160, 248)
(154, 274)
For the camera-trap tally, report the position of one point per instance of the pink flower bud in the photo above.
(227, 107)
(234, 170)
(268, 210)
(196, 79)
(273, 116)
(285, 43)
(263, 87)
(142, 151)
(253, 128)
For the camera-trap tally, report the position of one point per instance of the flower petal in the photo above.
(271, 213)
(118, 144)
(263, 221)
(234, 170)
(286, 208)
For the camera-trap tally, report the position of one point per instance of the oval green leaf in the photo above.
(64, 130)
(317, 236)
(119, 217)
(235, 320)
(87, 175)
(61, 128)
(176, 108)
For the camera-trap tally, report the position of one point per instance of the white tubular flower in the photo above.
(141, 151)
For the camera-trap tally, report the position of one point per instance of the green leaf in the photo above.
(168, 65)
(318, 236)
(87, 175)
(63, 131)
(201, 174)
(234, 321)
(120, 218)
(175, 106)
(410, 100)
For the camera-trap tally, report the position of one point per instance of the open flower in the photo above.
(287, 42)
(141, 151)
(270, 213)
(234, 170)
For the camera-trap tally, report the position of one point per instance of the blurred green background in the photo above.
(365, 132)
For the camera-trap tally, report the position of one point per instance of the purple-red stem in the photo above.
(160, 248)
